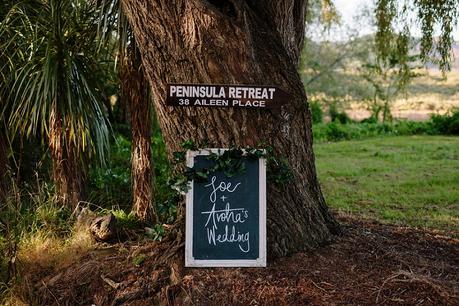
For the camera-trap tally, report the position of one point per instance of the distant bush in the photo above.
(316, 112)
(413, 128)
(447, 124)
(438, 125)
(337, 116)
(336, 131)
(371, 119)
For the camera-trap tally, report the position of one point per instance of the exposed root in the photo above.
(370, 264)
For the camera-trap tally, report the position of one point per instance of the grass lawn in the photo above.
(412, 180)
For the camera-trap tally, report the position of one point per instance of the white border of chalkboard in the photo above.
(259, 262)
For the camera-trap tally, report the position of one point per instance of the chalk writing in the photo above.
(223, 186)
(225, 216)
(228, 216)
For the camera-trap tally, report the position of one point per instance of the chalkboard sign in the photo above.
(226, 216)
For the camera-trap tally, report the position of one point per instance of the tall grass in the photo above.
(36, 234)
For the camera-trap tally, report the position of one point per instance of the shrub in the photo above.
(165, 197)
(412, 128)
(447, 124)
(335, 131)
(125, 220)
(337, 116)
(438, 125)
(371, 119)
(343, 118)
(316, 112)
(111, 185)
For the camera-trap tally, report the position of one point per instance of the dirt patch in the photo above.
(370, 263)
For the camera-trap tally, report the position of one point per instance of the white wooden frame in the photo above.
(190, 261)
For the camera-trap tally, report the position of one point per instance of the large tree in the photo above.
(239, 42)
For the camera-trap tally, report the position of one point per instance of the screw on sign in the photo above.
(239, 96)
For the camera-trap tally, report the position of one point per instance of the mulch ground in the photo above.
(369, 264)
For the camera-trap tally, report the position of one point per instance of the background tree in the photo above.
(55, 92)
(329, 70)
(134, 88)
(338, 69)
(389, 76)
(332, 47)
(113, 26)
(393, 20)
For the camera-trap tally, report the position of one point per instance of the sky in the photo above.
(348, 9)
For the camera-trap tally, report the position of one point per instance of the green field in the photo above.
(409, 180)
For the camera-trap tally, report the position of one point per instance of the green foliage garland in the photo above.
(230, 162)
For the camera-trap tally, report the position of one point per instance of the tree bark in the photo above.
(239, 42)
(134, 91)
(3, 166)
(67, 172)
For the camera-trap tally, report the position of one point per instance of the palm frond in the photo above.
(51, 61)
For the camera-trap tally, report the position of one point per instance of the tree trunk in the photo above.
(67, 172)
(134, 90)
(3, 166)
(239, 42)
